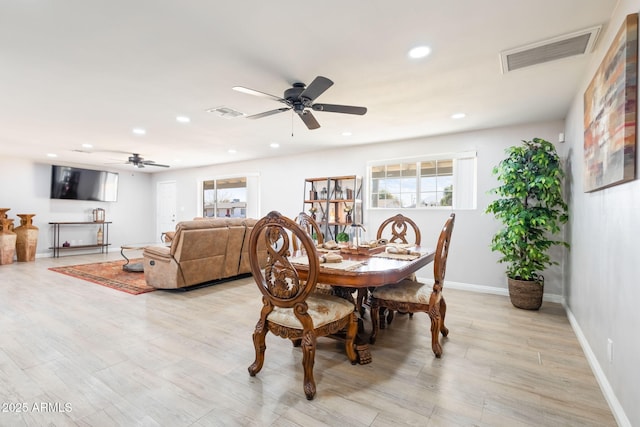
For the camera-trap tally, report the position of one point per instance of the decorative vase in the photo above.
(7, 241)
(26, 238)
(3, 215)
(526, 294)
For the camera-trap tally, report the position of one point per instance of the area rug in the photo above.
(109, 274)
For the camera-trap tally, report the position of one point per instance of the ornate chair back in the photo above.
(278, 280)
(442, 252)
(399, 225)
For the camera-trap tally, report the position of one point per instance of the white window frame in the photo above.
(464, 179)
(253, 191)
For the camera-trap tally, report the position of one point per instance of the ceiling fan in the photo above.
(299, 98)
(139, 162)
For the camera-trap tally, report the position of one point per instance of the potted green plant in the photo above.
(342, 237)
(531, 208)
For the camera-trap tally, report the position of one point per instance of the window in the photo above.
(424, 182)
(225, 197)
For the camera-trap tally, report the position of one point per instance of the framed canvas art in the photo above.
(610, 104)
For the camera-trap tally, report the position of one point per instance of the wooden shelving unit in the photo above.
(332, 197)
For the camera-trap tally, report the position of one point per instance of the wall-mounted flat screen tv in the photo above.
(83, 184)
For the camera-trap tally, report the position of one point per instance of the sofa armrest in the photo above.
(167, 236)
(160, 268)
(158, 251)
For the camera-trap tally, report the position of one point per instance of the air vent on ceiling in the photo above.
(578, 43)
(226, 112)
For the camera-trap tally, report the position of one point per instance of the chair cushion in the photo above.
(404, 291)
(323, 309)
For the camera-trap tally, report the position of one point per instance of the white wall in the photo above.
(602, 288)
(25, 189)
(470, 259)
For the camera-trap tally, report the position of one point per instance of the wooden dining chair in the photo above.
(291, 309)
(411, 296)
(397, 229)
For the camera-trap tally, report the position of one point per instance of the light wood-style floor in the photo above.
(98, 357)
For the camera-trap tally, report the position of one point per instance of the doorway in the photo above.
(165, 207)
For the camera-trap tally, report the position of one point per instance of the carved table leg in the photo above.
(361, 343)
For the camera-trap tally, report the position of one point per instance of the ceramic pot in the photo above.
(7, 241)
(3, 213)
(26, 238)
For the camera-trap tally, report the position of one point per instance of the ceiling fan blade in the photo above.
(309, 120)
(258, 93)
(268, 113)
(152, 163)
(332, 108)
(316, 88)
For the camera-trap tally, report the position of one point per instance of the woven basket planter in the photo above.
(526, 294)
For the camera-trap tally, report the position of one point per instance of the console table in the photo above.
(57, 246)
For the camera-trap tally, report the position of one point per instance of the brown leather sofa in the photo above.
(201, 251)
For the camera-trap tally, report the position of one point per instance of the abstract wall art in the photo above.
(610, 104)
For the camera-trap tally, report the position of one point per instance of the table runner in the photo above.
(343, 265)
(404, 257)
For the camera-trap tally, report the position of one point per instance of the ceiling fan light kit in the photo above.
(299, 98)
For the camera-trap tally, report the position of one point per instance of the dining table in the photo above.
(358, 270)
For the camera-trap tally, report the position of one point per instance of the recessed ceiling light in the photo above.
(274, 145)
(232, 151)
(87, 146)
(458, 116)
(347, 133)
(52, 155)
(183, 119)
(139, 131)
(419, 52)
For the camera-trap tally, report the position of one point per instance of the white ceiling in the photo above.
(78, 71)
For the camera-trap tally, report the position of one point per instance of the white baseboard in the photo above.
(609, 395)
(494, 290)
(607, 391)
